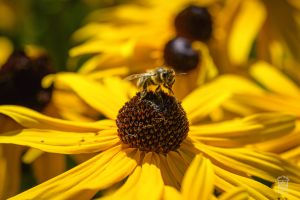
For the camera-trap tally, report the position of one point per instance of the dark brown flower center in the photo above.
(20, 81)
(179, 54)
(156, 122)
(194, 23)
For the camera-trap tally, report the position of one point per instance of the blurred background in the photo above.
(46, 23)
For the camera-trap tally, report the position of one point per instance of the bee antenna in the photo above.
(179, 74)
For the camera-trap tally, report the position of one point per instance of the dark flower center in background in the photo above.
(178, 54)
(157, 123)
(194, 23)
(20, 81)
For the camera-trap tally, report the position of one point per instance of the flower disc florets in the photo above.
(156, 122)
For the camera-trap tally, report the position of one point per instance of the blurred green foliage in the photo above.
(47, 23)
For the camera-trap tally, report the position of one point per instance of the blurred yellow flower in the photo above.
(281, 95)
(142, 35)
(121, 155)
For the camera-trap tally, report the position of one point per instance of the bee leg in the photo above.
(145, 89)
(169, 88)
(158, 89)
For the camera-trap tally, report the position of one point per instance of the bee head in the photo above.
(168, 76)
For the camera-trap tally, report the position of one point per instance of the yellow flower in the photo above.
(21, 73)
(135, 35)
(142, 36)
(121, 155)
(281, 95)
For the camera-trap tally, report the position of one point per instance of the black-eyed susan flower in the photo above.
(142, 35)
(149, 145)
(21, 74)
(282, 95)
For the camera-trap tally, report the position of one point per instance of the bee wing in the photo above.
(135, 76)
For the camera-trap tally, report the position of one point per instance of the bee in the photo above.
(160, 77)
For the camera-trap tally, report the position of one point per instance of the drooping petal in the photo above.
(177, 165)
(83, 181)
(238, 193)
(150, 179)
(48, 165)
(167, 175)
(238, 132)
(10, 175)
(62, 142)
(31, 119)
(198, 182)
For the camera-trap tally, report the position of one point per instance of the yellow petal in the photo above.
(255, 189)
(7, 49)
(207, 98)
(238, 132)
(289, 191)
(31, 119)
(83, 181)
(107, 96)
(31, 155)
(127, 190)
(211, 97)
(9, 170)
(171, 193)
(48, 166)
(245, 28)
(269, 102)
(264, 165)
(198, 182)
(167, 175)
(273, 79)
(282, 16)
(62, 142)
(150, 184)
(238, 193)
(177, 165)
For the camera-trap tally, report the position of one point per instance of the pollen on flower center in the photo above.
(156, 122)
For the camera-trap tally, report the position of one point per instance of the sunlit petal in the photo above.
(238, 132)
(62, 142)
(83, 181)
(32, 119)
(198, 182)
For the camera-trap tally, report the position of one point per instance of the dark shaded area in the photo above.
(179, 54)
(20, 81)
(48, 24)
(194, 23)
(27, 179)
